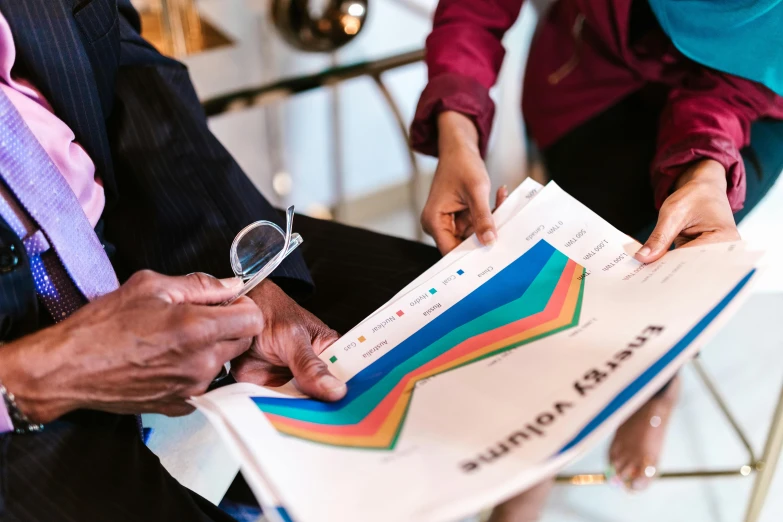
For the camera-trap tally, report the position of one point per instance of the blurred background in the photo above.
(335, 150)
(319, 120)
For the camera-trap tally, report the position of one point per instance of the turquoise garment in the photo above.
(740, 37)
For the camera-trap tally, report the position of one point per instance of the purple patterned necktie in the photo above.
(66, 257)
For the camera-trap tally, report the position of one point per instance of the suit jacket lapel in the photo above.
(50, 49)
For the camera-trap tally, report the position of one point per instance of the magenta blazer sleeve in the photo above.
(709, 116)
(463, 54)
(708, 113)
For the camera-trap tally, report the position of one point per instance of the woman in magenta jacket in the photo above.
(635, 111)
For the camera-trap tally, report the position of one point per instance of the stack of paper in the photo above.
(487, 374)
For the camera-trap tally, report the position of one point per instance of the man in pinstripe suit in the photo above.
(84, 99)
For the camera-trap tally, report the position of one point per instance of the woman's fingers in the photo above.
(670, 224)
(500, 196)
(477, 196)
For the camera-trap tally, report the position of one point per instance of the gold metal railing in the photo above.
(763, 466)
(330, 78)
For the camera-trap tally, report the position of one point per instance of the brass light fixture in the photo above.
(318, 25)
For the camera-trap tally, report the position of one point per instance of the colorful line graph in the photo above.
(537, 295)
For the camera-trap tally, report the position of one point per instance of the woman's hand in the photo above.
(458, 202)
(696, 213)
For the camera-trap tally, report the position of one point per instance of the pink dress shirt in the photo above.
(56, 138)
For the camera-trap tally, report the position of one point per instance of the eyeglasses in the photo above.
(258, 250)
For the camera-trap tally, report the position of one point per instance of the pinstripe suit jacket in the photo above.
(174, 196)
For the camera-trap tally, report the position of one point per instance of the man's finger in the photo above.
(324, 339)
(231, 349)
(199, 288)
(168, 407)
(242, 320)
(262, 373)
(666, 230)
(480, 213)
(312, 376)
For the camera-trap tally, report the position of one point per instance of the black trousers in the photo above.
(92, 466)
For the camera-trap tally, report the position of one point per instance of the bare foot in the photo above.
(638, 442)
(525, 507)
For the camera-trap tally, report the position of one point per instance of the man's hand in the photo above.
(696, 213)
(288, 347)
(458, 203)
(146, 347)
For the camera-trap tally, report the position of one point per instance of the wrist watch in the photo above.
(20, 421)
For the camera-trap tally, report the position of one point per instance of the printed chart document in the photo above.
(487, 374)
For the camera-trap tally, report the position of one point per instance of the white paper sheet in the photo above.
(487, 375)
